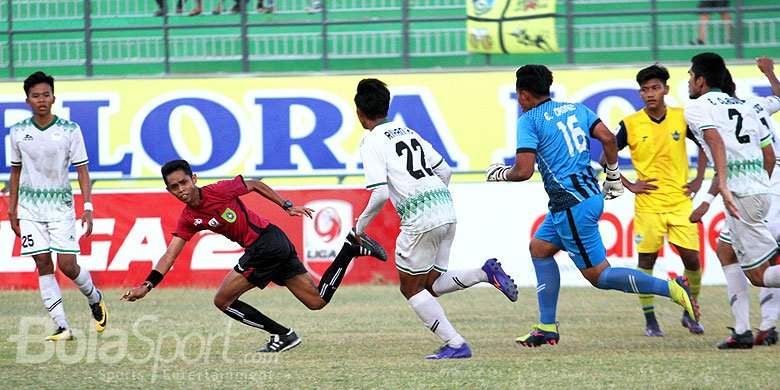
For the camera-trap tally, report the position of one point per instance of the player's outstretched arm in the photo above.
(522, 169)
(769, 157)
(86, 194)
(156, 276)
(613, 186)
(767, 67)
(718, 149)
(702, 209)
(379, 196)
(701, 167)
(269, 193)
(13, 198)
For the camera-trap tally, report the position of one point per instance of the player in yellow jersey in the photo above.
(656, 137)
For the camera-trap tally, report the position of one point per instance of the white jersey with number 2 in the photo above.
(398, 157)
(743, 135)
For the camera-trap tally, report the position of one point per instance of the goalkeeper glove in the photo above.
(497, 172)
(613, 187)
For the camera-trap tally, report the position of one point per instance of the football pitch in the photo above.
(369, 338)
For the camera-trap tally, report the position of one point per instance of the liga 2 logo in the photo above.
(324, 233)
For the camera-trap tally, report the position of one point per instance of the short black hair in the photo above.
(372, 98)
(173, 166)
(37, 78)
(654, 71)
(710, 66)
(535, 79)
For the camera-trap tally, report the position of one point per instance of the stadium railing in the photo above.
(85, 34)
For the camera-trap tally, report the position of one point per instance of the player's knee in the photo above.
(411, 290)
(70, 269)
(430, 290)
(44, 264)
(756, 278)
(593, 280)
(645, 262)
(222, 303)
(316, 304)
(541, 249)
(593, 274)
(44, 267)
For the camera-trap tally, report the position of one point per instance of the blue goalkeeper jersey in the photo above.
(559, 133)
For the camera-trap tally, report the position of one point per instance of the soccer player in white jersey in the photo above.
(750, 162)
(404, 167)
(737, 285)
(41, 209)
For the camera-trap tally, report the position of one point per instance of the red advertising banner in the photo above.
(132, 230)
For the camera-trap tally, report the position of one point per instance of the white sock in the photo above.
(84, 281)
(52, 299)
(432, 315)
(458, 280)
(737, 288)
(772, 276)
(770, 307)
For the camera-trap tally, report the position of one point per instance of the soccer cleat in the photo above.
(61, 334)
(540, 334)
(367, 246)
(692, 325)
(281, 343)
(738, 341)
(681, 295)
(766, 337)
(653, 330)
(447, 352)
(100, 314)
(498, 278)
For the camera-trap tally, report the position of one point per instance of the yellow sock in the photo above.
(646, 300)
(694, 281)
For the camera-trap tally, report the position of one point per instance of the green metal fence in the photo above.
(124, 37)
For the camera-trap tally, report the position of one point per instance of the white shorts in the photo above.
(42, 237)
(418, 254)
(773, 216)
(750, 237)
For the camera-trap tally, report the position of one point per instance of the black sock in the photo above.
(332, 277)
(650, 318)
(248, 315)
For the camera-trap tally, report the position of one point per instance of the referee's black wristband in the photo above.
(155, 277)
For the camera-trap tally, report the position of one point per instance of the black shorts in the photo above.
(271, 258)
(713, 3)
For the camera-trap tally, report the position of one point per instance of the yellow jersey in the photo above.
(658, 151)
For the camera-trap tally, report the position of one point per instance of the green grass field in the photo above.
(370, 338)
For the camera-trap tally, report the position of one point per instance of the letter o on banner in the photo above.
(222, 125)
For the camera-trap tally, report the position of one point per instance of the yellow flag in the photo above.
(511, 26)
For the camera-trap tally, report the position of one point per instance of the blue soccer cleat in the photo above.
(498, 278)
(447, 352)
(540, 334)
(693, 326)
(653, 330)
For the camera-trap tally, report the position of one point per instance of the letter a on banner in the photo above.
(511, 26)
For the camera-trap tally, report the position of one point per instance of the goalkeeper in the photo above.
(556, 136)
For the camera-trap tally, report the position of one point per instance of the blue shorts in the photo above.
(576, 230)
